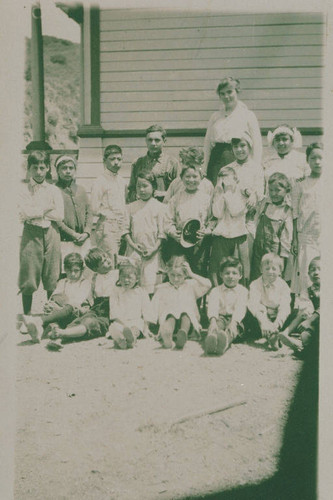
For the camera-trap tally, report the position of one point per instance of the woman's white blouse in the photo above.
(222, 128)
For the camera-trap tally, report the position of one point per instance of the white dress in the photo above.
(145, 226)
(184, 206)
(176, 301)
(306, 201)
(293, 165)
(131, 306)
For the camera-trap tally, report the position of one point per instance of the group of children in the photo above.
(171, 253)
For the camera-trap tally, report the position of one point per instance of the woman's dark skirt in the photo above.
(220, 156)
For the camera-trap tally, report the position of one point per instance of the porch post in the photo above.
(37, 78)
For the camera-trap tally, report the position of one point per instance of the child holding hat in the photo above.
(190, 203)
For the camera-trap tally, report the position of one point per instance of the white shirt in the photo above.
(250, 176)
(35, 199)
(76, 292)
(230, 209)
(222, 128)
(224, 301)
(275, 295)
(108, 195)
(102, 285)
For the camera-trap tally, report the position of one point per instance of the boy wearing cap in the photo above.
(76, 227)
(108, 202)
(41, 208)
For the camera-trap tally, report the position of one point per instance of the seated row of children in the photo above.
(250, 212)
(114, 305)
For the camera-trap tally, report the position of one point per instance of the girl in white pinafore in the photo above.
(306, 205)
(144, 231)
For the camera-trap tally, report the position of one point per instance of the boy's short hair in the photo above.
(281, 180)
(38, 156)
(94, 258)
(227, 82)
(192, 157)
(311, 147)
(112, 148)
(188, 167)
(231, 262)
(148, 176)
(63, 159)
(156, 128)
(225, 171)
(272, 258)
(313, 262)
(73, 259)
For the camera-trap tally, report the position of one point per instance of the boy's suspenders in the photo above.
(282, 223)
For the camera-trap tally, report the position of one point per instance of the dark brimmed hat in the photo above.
(189, 236)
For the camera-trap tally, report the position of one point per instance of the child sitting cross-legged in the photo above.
(95, 320)
(129, 307)
(65, 304)
(174, 305)
(269, 300)
(306, 322)
(226, 308)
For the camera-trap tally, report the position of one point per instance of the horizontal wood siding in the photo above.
(164, 66)
(90, 163)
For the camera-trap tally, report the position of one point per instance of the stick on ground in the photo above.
(202, 413)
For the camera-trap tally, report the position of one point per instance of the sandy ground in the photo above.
(96, 423)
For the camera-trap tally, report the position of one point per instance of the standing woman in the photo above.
(233, 119)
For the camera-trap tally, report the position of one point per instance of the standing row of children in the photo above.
(257, 224)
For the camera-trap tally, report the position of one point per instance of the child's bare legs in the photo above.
(284, 336)
(220, 336)
(72, 332)
(182, 334)
(211, 339)
(122, 335)
(166, 331)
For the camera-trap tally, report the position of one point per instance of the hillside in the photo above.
(62, 92)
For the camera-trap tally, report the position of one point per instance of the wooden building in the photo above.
(141, 67)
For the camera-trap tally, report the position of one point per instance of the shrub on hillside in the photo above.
(58, 59)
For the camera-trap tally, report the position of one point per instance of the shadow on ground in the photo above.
(296, 476)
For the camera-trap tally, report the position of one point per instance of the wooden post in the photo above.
(37, 78)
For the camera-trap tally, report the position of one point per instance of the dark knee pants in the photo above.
(39, 258)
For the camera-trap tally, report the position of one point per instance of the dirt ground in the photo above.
(98, 423)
